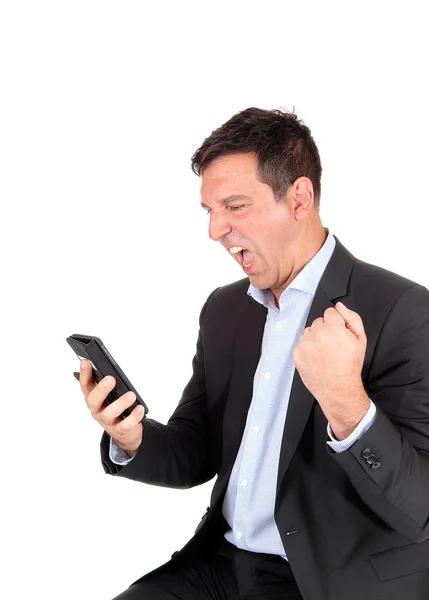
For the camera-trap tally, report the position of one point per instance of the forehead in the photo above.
(227, 172)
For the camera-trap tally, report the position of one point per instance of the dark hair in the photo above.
(284, 148)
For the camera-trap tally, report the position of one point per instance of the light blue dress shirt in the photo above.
(248, 505)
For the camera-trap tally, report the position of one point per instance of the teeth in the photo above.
(235, 249)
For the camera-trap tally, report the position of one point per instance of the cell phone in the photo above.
(103, 364)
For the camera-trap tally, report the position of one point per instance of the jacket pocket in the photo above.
(401, 561)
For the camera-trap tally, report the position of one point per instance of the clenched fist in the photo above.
(329, 358)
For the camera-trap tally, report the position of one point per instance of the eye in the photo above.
(233, 208)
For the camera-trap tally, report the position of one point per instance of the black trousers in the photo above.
(224, 573)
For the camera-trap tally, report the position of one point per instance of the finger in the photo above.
(110, 414)
(331, 315)
(99, 393)
(124, 427)
(317, 323)
(352, 320)
(86, 381)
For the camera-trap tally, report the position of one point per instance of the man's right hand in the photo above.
(126, 433)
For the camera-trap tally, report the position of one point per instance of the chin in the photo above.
(258, 282)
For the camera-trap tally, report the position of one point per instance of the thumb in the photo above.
(352, 320)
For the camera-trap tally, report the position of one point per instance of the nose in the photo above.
(218, 226)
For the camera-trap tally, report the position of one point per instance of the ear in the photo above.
(304, 194)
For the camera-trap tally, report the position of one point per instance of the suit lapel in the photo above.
(247, 349)
(301, 401)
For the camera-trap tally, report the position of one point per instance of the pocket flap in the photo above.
(401, 561)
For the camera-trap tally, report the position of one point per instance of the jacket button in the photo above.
(376, 464)
(366, 452)
(371, 459)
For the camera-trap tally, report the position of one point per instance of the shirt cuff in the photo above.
(360, 429)
(117, 455)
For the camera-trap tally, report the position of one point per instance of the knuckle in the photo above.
(100, 418)
(91, 402)
(83, 385)
(121, 429)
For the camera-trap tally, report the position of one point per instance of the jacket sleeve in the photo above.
(389, 464)
(178, 454)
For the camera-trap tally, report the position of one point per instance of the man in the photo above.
(309, 398)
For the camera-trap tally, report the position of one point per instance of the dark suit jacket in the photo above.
(355, 524)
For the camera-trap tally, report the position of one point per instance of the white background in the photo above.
(102, 105)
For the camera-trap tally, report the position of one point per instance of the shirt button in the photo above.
(267, 375)
(244, 483)
(256, 429)
(238, 535)
(279, 325)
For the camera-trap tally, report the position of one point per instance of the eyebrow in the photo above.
(225, 201)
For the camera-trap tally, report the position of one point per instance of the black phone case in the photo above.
(103, 364)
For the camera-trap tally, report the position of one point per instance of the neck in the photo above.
(310, 245)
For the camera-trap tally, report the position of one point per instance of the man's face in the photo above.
(244, 212)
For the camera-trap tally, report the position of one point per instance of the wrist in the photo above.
(130, 451)
(130, 448)
(343, 425)
(344, 411)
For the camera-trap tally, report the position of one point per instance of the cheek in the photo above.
(272, 241)
(248, 230)
(247, 224)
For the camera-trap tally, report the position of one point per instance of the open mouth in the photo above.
(242, 255)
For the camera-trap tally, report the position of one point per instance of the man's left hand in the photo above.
(329, 358)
